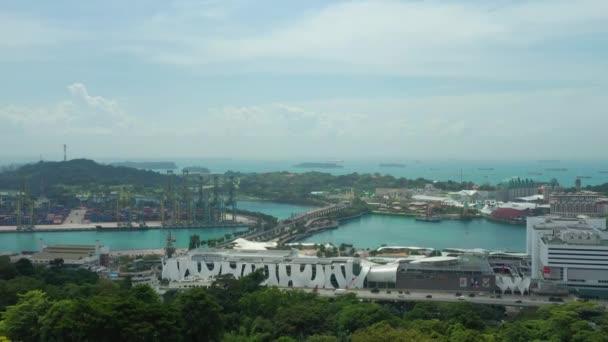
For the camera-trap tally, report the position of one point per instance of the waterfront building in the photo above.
(466, 272)
(393, 193)
(548, 190)
(72, 255)
(572, 252)
(281, 268)
(516, 188)
(575, 204)
(510, 215)
(470, 195)
(463, 273)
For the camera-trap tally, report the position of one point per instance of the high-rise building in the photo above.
(515, 188)
(571, 252)
(576, 204)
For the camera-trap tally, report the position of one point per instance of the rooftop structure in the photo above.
(290, 269)
(463, 273)
(72, 255)
(575, 204)
(281, 268)
(533, 198)
(516, 188)
(510, 214)
(572, 252)
(392, 192)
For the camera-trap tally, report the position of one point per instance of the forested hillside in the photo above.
(79, 172)
(57, 304)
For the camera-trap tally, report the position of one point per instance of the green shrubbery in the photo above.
(49, 304)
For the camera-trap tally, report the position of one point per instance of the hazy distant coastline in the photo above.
(319, 166)
(162, 165)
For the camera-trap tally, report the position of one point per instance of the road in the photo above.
(505, 300)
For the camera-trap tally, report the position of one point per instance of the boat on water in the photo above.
(426, 218)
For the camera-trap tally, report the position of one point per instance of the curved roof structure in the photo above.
(435, 260)
(252, 245)
(383, 273)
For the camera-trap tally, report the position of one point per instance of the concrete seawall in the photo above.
(110, 227)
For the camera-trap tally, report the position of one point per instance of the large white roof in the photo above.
(429, 198)
(403, 247)
(383, 273)
(252, 245)
(532, 198)
(519, 206)
(434, 259)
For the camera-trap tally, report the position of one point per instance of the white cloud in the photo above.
(24, 32)
(82, 114)
(396, 37)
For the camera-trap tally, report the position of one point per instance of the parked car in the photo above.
(429, 296)
(375, 290)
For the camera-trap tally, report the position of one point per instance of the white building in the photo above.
(281, 268)
(72, 255)
(569, 251)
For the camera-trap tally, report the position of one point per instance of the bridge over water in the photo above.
(283, 227)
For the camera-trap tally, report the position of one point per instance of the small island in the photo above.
(392, 165)
(196, 169)
(161, 165)
(319, 166)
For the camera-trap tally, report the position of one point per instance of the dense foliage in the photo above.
(297, 187)
(78, 172)
(49, 304)
(64, 179)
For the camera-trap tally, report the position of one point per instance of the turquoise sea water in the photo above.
(278, 210)
(492, 171)
(375, 230)
(369, 231)
(153, 238)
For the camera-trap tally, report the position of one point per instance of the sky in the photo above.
(304, 79)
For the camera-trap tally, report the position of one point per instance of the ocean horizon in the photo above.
(591, 172)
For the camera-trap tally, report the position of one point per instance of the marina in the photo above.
(372, 231)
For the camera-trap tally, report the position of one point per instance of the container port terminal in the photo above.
(188, 201)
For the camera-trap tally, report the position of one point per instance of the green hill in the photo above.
(78, 172)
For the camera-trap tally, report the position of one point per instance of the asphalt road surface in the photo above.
(486, 298)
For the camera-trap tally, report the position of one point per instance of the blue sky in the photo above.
(314, 79)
